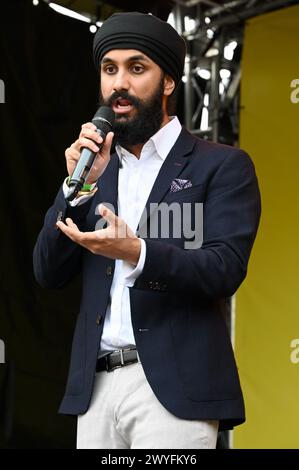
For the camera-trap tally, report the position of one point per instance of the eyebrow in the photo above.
(105, 60)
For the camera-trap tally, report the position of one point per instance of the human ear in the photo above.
(169, 85)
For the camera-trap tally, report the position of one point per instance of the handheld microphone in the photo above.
(104, 120)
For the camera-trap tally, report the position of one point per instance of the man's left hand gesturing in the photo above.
(117, 241)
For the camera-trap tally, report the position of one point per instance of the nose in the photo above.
(121, 81)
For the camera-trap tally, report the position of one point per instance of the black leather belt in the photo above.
(116, 359)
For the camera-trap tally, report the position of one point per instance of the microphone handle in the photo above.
(82, 169)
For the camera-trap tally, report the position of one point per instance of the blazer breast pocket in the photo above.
(195, 193)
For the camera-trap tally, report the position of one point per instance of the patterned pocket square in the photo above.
(178, 185)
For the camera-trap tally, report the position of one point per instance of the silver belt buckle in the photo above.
(137, 356)
(122, 362)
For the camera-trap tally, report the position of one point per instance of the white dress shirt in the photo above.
(135, 182)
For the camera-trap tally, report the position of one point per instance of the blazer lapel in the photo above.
(172, 167)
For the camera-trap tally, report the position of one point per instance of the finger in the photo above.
(87, 143)
(70, 229)
(107, 214)
(64, 228)
(117, 228)
(107, 143)
(71, 224)
(88, 125)
(59, 224)
(91, 134)
(85, 239)
(72, 154)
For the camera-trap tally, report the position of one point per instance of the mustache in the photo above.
(125, 95)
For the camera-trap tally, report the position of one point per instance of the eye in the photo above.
(109, 69)
(137, 68)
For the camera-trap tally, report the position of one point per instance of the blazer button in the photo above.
(58, 218)
(109, 270)
(99, 320)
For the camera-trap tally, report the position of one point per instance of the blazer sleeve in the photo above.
(56, 258)
(231, 214)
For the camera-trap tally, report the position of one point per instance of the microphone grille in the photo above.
(104, 115)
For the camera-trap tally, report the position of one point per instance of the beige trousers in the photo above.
(125, 414)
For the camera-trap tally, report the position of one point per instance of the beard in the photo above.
(144, 124)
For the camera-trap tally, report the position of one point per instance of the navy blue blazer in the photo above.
(176, 303)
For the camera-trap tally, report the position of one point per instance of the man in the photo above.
(152, 364)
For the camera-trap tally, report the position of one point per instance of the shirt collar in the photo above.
(161, 142)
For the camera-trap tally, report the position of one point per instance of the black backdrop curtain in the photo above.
(51, 88)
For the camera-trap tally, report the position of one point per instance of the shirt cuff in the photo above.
(133, 273)
(78, 200)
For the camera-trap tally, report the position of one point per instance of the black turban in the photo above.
(146, 33)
